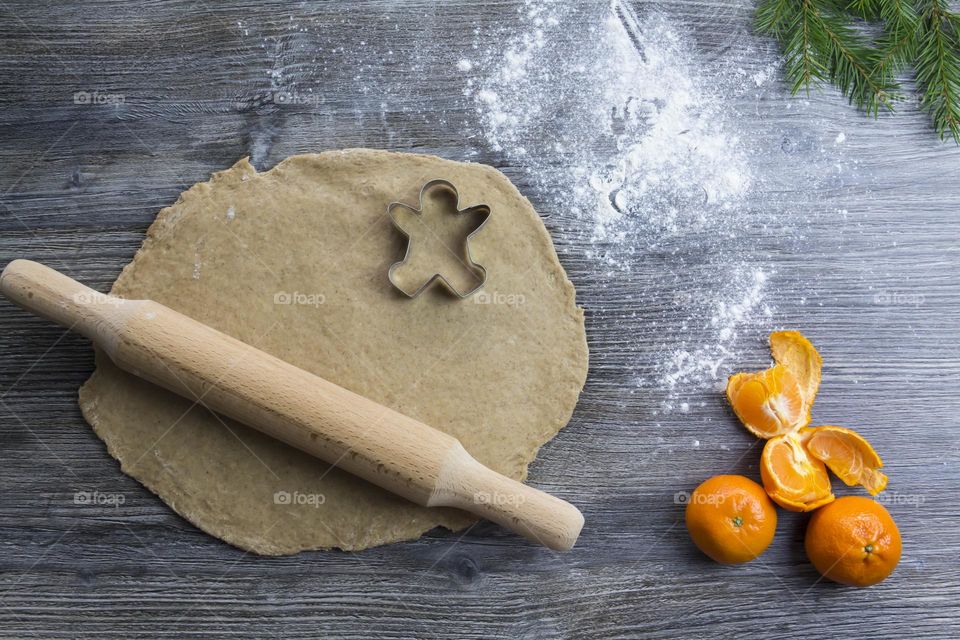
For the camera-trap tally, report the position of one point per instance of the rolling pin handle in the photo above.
(54, 296)
(538, 516)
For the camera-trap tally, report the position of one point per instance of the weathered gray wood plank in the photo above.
(80, 184)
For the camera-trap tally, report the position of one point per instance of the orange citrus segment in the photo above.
(797, 354)
(769, 403)
(793, 479)
(848, 455)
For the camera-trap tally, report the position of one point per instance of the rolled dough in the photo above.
(294, 261)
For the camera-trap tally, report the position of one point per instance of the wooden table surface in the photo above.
(862, 254)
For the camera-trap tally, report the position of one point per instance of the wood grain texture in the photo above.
(81, 183)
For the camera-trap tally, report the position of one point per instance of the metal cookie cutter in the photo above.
(474, 267)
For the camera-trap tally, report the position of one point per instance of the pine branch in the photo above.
(938, 66)
(851, 63)
(803, 50)
(773, 17)
(819, 46)
(821, 43)
(898, 46)
(866, 9)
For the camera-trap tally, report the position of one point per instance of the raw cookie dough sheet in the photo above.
(294, 262)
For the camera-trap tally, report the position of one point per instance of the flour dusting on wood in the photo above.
(618, 126)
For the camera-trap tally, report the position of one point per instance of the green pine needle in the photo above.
(866, 9)
(851, 66)
(822, 42)
(775, 17)
(938, 67)
(897, 47)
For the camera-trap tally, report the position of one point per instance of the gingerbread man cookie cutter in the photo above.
(476, 268)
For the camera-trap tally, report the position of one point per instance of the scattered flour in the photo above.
(642, 139)
(231, 213)
(696, 364)
(761, 77)
(619, 132)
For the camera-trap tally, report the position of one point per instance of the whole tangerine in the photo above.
(853, 541)
(731, 519)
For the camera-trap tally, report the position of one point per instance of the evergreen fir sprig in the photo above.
(938, 67)
(897, 47)
(822, 42)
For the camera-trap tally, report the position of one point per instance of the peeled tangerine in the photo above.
(798, 354)
(848, 455)
(791, 476)
(778, 400)
(769, 403)
(776, 404)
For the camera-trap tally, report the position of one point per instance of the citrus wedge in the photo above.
(769, 403)
(792, 478)
(799, 356)
(848, 455)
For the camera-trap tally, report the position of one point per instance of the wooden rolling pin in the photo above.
(400, 454)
